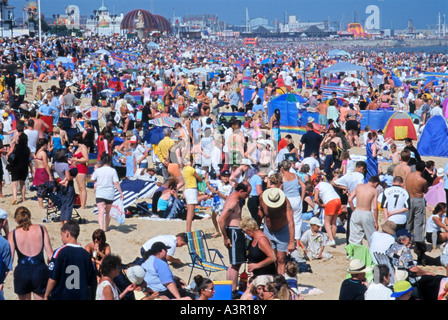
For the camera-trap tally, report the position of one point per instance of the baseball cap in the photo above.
(401, 288)
(316, 221)
(403, 232)
(158, 246)
(133, 139)
(135, 274)
(5, 115)
(225, 173)
(3, 214)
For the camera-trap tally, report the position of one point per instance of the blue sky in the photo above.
(395, 13)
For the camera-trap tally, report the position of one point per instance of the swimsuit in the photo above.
(82, 168)
(31, 273)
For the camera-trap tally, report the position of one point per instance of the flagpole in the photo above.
(40, 25)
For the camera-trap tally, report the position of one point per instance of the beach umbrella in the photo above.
(435, 194)
(154, 135)
(102, 51)
(132, 190)
(152, 45)
(414, 79)
(165, 121)
(62, 60)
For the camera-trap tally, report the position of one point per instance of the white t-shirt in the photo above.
(395, 198)
(312, 162)
(377, 291)
(105, 178)
(431, 226)
(326, 192)
(168, 240)
(380, 242)
(33, 135)
(138, 153)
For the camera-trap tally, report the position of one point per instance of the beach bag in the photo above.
(117, 212)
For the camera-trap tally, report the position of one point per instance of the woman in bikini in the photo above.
(80, 159)
(42, 173)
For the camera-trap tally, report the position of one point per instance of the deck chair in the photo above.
(382, 258)
(201, 255)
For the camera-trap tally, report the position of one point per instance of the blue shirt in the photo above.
(258, 107)
(158, 274)
(254, 181)
(5, 258)
(73, 271)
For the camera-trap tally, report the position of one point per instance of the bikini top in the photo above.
(26, 260)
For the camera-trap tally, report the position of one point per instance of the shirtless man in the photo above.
(417, 186)
(403, 169)
(229, 224)
(276, 212)
(362, 223)
(39, 124)
(322, 108)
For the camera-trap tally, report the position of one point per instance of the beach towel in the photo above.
(133, 190)
(355, 251)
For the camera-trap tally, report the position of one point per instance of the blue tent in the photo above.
(288, 105)
(434, 139)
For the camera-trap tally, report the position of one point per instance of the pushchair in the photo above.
(50, 193)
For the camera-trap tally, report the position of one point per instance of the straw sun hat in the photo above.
(274, 197)
(357, 266)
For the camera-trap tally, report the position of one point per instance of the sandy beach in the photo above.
(126, 240)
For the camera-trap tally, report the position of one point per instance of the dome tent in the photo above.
(434, 139)
(400, 126)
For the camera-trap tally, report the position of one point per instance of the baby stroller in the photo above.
(49, 191)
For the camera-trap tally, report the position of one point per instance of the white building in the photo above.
(104, 23)
(294, 25)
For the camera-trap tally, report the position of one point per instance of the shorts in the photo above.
(333, 207)
(429, 237)
(30, 278)
(107, 201)
(323, 119)
(191, 196)
(237, 251)
(279, 239)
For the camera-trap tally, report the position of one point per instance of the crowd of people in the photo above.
(300, 191)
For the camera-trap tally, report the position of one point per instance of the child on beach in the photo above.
(220, 189)
(313, 241)
(394, 155)
(291, 272)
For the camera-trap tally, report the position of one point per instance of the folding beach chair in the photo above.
(382, 258)
(201, 256)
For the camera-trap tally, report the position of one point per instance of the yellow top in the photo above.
(189, 178)
(162, 148)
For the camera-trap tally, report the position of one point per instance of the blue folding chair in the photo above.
(201, 255)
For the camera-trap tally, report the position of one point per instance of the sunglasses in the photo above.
(211, 289)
